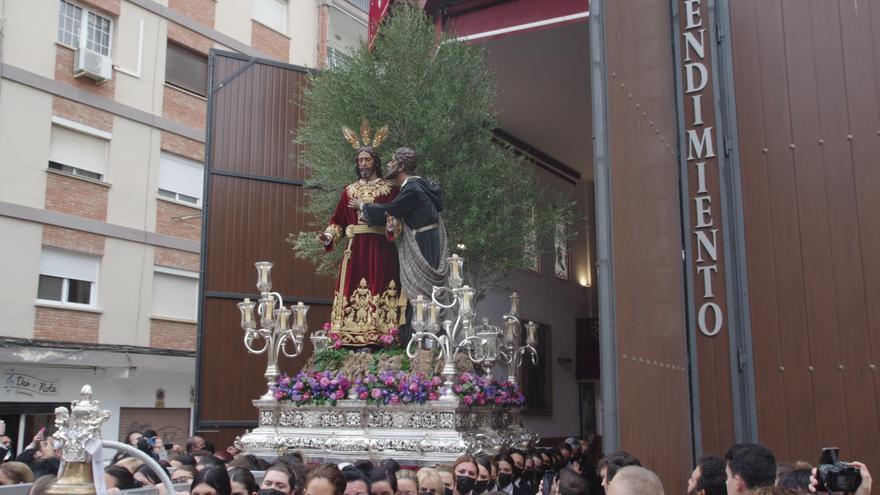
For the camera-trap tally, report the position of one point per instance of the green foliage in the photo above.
(329, 359)
(437, 98)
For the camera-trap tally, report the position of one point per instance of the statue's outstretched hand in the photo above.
(355, 203)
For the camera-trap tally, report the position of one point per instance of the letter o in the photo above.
(701, 319)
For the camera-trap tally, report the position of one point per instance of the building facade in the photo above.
(102, 143)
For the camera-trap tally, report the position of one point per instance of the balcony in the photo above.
(361, 4)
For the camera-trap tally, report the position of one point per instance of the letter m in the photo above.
(700, 143)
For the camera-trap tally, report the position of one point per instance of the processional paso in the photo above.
(401, 368)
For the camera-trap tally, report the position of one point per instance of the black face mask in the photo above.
(504, 479)
(480, 486)
(464, 484)
(528, 475)
(517, 472)
(447, 491)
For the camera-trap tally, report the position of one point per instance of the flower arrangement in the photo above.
(318, 387)
(482, 390)
(398, 388)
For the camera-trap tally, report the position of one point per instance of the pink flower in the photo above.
(468, 400)
(389, 381)
(363, 396)
(326, 326)
(278, 394)
(393, 331)
(436, 381)
(466, 377)
(337, 344)
(376, 393)
(340, 394)
(394, 400)
(432, 396)
(298, 386)
(456, 388)
(307, 396)
(324, 382)
(413, 387)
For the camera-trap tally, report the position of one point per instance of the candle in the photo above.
(283, 315)
(514, 304)
(510, 331)
(454, 264)
(268, 307)
(466, 294)
(435, 310)
(532, 329)
(264, 271)
(301, 313)
(420, 308)
(247, 309)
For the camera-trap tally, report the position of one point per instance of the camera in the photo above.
(834, 475)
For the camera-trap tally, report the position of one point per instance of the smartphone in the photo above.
(549, 478)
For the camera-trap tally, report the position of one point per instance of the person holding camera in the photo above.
(833, 476)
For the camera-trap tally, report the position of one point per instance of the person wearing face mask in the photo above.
(484, 474)
(504, 483)
(520, 485)
(465, 475)
(529, 483)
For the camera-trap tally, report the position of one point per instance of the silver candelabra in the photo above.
(275, 327)
(483, 344)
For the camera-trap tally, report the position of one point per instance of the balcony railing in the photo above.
(361, 4)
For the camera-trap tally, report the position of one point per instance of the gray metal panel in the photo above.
(604, 248)
(740, 326)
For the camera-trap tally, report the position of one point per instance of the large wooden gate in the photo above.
(807, 78)
(645, 360)
(253, 200)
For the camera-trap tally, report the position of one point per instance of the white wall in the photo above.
(19, 268)
(25, 125)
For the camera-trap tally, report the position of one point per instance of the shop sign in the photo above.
(18, 383)
(702, 168)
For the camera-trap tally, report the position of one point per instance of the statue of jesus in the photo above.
(367, 302)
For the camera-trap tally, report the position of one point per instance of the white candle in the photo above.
(300, 313)
(435, 309)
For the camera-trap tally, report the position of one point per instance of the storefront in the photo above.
(140, 390)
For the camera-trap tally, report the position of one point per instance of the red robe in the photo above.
(367, 301)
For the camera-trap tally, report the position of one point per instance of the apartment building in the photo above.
(102, 144)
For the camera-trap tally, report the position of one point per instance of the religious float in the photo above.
(424, 401)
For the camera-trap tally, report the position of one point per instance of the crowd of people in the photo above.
(571, 468)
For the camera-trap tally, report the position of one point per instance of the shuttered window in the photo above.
(180, 179)
(77, 153)
(186, 69)
(175, 293)
(272, 13)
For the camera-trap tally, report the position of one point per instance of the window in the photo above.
(67, 278)
(175, 293)
(186, 69)
(82, 28)
(272, 13)
(180, 179)
(77, 153)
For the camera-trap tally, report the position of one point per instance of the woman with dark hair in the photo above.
(242, 482)
(279, 477)
(484, 474)
(119, 477)
(147, 477)
(211, 481)
(465, 472)
(325, 479)
(356, 483)
(382, 482)
(504, 482)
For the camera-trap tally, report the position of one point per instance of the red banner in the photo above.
(378, 11)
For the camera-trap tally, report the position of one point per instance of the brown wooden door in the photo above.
(254, 198)
(650, 359)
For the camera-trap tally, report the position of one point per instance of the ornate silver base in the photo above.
(435, 432)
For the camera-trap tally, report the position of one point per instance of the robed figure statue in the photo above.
(422, 245)
(367, 302)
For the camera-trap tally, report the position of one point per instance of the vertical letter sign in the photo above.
(704, 198)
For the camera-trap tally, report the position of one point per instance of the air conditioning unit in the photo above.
(93, 65)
